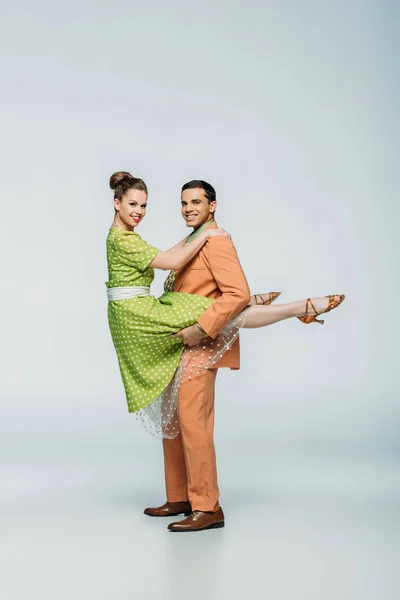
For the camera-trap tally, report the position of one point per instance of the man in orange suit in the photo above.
(189, 459)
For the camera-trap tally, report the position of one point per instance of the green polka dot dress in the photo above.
(141, 327)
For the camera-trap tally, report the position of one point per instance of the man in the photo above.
(190, 464)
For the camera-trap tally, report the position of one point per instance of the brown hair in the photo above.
(122, 181)
(207, 188)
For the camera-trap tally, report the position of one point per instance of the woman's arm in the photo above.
(177, 246)
(175, 258)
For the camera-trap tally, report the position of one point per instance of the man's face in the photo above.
(196, 209)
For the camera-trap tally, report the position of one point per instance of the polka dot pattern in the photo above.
(141, 327)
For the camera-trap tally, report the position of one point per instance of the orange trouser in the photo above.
(189, 459)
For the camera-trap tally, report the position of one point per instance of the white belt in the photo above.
(129, 291)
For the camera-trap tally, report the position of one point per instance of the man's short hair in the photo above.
(209, 191)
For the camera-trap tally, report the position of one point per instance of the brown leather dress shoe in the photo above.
(169, 509)
(198, 521)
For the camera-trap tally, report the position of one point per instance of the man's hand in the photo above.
(191, 336)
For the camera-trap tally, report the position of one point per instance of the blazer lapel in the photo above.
(180, 277)
(181, 274)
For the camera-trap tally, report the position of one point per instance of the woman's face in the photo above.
(132, 208)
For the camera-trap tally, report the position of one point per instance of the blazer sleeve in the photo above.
(231, 280)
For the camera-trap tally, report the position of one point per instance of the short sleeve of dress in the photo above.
(134, 251)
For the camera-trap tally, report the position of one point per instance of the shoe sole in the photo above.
(213, 526)
(170, 515)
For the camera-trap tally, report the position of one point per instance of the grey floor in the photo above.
(299, 524)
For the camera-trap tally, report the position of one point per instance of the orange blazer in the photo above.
(215, 272)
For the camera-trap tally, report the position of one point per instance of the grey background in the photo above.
(290, 110)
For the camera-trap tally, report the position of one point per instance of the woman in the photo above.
(142, 326)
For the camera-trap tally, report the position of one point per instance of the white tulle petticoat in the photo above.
(161, 418)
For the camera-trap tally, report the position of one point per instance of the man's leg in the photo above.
(196, 415)
(175, 470)
(175, 481)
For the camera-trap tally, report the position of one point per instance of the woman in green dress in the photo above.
(142, 326)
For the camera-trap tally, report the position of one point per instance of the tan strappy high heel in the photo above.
(333, 303)
(259, 299)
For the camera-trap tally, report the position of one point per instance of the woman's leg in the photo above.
(261, 316)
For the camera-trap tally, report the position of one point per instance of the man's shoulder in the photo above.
(219, 241)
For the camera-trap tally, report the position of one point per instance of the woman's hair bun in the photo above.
(122, 181)
(120, 176)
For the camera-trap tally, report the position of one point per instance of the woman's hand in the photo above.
(217, 232)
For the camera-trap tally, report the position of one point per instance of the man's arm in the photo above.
(228, 273)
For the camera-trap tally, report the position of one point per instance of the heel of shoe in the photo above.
(217, 525)
(311, 319)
